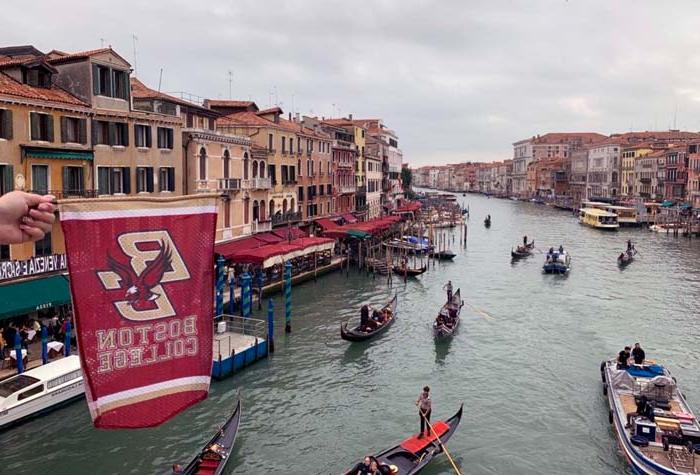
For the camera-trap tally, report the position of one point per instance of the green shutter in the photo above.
(95, 80)
(110, 83)
(6, 125)
(126, 180)
(34, 125)
(149, 136)
(93, 131)
(9, 179)
(125, 134)
(149, 179)
(171, 179)
(82, 131)
(112, 133)
(49, 128)
(81, 180)
(66, 180)
(64, 127)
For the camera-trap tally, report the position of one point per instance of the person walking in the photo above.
(425, 407)
(448, 288)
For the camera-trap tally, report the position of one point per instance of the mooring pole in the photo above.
(270, 326)
(288, 297)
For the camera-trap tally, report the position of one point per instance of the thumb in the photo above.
(32, 199)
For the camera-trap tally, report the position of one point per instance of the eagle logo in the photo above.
(140, 281)
(139, 288)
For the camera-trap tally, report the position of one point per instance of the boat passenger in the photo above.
(525, 240)
(364, 316)
(629, 245)
(177, 469)
(622, 256)
(645, 408)
(377, 317)
(425, 407)
(375, 468)
(638, 354)
(362, 468)
(623, 357)
(561, 249)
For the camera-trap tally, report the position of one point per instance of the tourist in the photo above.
(623, 357)
(364, 317)
(448, 287)
(622, 256)
(36, 326)
(177, 469)
(362, 468)
(425, 407)
(638, 354)
(375, 468)
(25, 217)
(561, 249)
(377, 318)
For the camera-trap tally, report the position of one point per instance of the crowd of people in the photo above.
(377, 319)
(29, 331)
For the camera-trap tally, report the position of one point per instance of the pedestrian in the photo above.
(448, 288)
(638, 354)
(425, 407)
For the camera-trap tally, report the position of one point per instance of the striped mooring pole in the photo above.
(246, 302)
(66, 341)
(270, 326)
(288, 297)
(220, 280)
(232, 295)
(44, 345)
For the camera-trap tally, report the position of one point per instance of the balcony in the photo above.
(345, 189)
(226, 184)
(286, 218)
(256, 183)
(260, 226)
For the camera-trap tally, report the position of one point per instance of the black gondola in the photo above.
(445, 255)
(452, 310)
(216, 454)
(356, 334)
(626, 257)
(411, 272)
(413, 454)
(522, 251)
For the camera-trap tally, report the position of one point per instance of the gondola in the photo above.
(413, 454)
(626, 257)
(522, 251)
(452, 308)
(356, 333)
(487, 222)
(215, 455)
(410, 271)
(445, 255)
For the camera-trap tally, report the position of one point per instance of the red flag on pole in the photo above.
(141, 278)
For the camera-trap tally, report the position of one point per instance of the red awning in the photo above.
(259, 255)
(409, 207)
(326, 223)
(227, 249)
(295, 233)
(349, 218)
(269, 238)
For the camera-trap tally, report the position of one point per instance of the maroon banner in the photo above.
(141, 278)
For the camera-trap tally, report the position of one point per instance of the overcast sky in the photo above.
(458, 80)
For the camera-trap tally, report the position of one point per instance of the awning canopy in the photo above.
(58, 153)
(349, 218)
(326, 223)
(30, 295)
(409, 207)
(278, 253)
(294, 232)
(362, 230)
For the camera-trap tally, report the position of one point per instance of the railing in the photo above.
(280, 219)
(242, 326)
(260, 226)
(256, 183)
(229, 184)
(347, 189)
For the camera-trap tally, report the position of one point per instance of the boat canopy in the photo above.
(273, 254)
(362, 230)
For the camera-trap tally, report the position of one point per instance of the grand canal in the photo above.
(525, 364)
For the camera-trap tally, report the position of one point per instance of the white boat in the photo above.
(665, 439)
(558, 262)
(40, 390)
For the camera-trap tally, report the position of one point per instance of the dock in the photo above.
(238, 342)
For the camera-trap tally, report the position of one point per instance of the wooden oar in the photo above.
(479, 311)
(444, 449)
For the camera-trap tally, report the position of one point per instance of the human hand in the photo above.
(25, 216)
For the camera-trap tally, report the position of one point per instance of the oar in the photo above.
(479, 311)
(442, 446)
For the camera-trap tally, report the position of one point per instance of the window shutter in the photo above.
(82, 131)
(110, 185)
(64, 127)
(190, 120)
(171, 141)
(212, 125)
(34, 122)
(112, 133)
(110, 83)
(149, 136)
(66, 180)
(49, 128)
(94, 125)
(95, 80)
(171, 179)
(126, 180)
(125, 134)
(81, 180)
(7, 124)
(149, 179)
(9, 177)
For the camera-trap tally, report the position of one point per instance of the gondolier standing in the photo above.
(425, 407)
(448, 288)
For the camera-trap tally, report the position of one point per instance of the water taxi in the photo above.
(655, 427)
(626, 215)
(557, 262)
(40, 390)
(598, 218)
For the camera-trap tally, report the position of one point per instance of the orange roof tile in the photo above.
(227, 103)
(140, 91)
(55, 56)
(10, 87)
(564, 137)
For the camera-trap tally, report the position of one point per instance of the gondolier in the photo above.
(425, 407)
(448, 288)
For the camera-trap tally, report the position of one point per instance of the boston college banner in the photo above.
(141, 277)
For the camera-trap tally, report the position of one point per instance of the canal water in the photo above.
(524, 363)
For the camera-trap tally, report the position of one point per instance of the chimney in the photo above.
(350, 116)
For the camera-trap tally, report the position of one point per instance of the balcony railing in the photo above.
(282, 219)
(347, 189)
(261, 226)
(229, 184)
(256, 183)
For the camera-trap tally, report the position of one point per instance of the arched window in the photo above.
(255, 168)
(291, 206)
(256, 211)
(245, 166)
(227, 163)
(272, 208)
(202, 164)
(263, 210)
(284, 206)
(262, 166)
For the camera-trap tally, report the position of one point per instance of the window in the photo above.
(73, 130)
(300, 194)
(245, 166)
(142, 136)
(328, 189)
(227, 213)
(269, 142)
(37, 77)
(271, 172)
(120, 79)
(227, 164)
(165, 138)
(110, 82)
(212, 123)
(31, 392)
(292, 174)
(41, 126)
(285, 174)
(73, 181)
(144, 180)
(291, 145)
(166, 179)
(120, 134)
(7, 179)
(5, 124)
(202, 164)
(100, 132)
(113, 180)
(102, 81)
(42, 247)
(40, 179)
(64, 379)
(284, 144)
(299, 167)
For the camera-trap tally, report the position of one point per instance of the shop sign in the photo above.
(34, 266)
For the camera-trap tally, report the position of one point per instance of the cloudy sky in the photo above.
(458, 80)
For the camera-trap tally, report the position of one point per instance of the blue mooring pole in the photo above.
(260, 286)
(18, 354)
(232, 295)
(270, 326)
(44, 345)
(288, 297)
(220, 279)
(246, 302)
(66, 340)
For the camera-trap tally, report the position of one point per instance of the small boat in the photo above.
(40, 390)
(445, 255)
(451, 311)
(520, 252)
(487, 222)
(663, 444)
(410, 271)
(357, 334)
(411, 244)
(464, 194)
(626, 257)
(215, 455)
(413, 454)
(559, 262)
